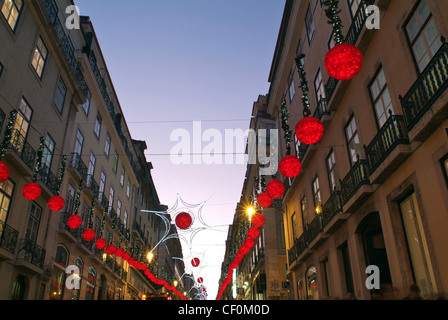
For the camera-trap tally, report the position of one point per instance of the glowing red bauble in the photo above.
(290, 166)
(100, 244)
(183, 220)
(200, 280)
(88, 235)
(119, 252)
(31, 191)
(275, 188)
(126, 256)
(253, 233)
(56, 203)
(111, 249)
(264, 200)
(74, 221)
(343, 61)
(195, 262)
(258, 220)
(309, 130)
(249, 242)
(4, 172)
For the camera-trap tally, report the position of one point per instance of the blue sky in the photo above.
(176, 61)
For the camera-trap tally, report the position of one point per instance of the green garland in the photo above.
(8, 133)
(303, 86)
(332, 12)
(285, 126)
(40, 153)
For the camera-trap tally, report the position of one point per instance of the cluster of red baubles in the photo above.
(32, 191)
(258, 221)
(164, 283)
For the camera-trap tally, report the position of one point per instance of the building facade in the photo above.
(67, 116)
(373, 191)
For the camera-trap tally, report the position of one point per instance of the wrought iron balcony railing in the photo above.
(23, 149)
(322, 109)
(8, 237)
(77, 163)
(297, 249)
(331, 208)
(48, 178)
(30, 252)
(388, 138)
(314, 228)
(52, 12)
(356, 177)
(430, 84)
(93, 186)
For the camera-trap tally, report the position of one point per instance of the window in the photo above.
(354, 5)
(1, 70)
(381, 98)
(125, 220)
(291, 86)
(79, 143)
(102, 184)
(294, 227)
(316, 192)
(32, 228)
(444, 163)
(311, 283)
(119, 205)
(115, 166)
(90, 286)
(86, 105)
(423, 35)
(319, 86)
(111, 198)
(332, 173)
(354, 146)
(326, 269)
(21, 125)
(418, 250)
(309, 24)
(107, 145)
(97, 128)
(6, 190)
(59, 97)
(70, 199)
(304, 211)
(47, 155)
(91, 170)
(347, 268)
(122, 176)
(299, 49)
(11, 10)
(39, 57)
(128, 189)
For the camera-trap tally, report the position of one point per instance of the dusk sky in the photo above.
(179, 61)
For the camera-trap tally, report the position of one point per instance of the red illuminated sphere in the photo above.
(290, 166)
(100, 244)
(275, 188)
(126, 256)
(253, 233)
(119, 252)
(56, 203)
(200, 280)
(183, 220)
(195, 262)
(31, 191)
(89, 235)
(309, 130)
(4, 172)
(111, 249)
(258, 220)
(74, 221)
(343, 61)
(264, 200)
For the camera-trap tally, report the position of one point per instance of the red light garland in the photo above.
(276, 189)
(290, 166)
(56, 203)
(344, 61)
(74, 222)
(264, 200)
(100, 244)
(4, 172)
(88, 235)
(258, 220)
(309, 130)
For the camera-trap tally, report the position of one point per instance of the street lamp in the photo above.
(250, 212)
(149, 256)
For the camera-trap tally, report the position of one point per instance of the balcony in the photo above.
(71, 234)
(78, 166)
(356, 187)
(422, 108)
(388, 149)
(314, 233)
(8, 240)
(30, 255)
(333, 213)
(49, 179)
(300, 245)
(92, 186)
(23, 151)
